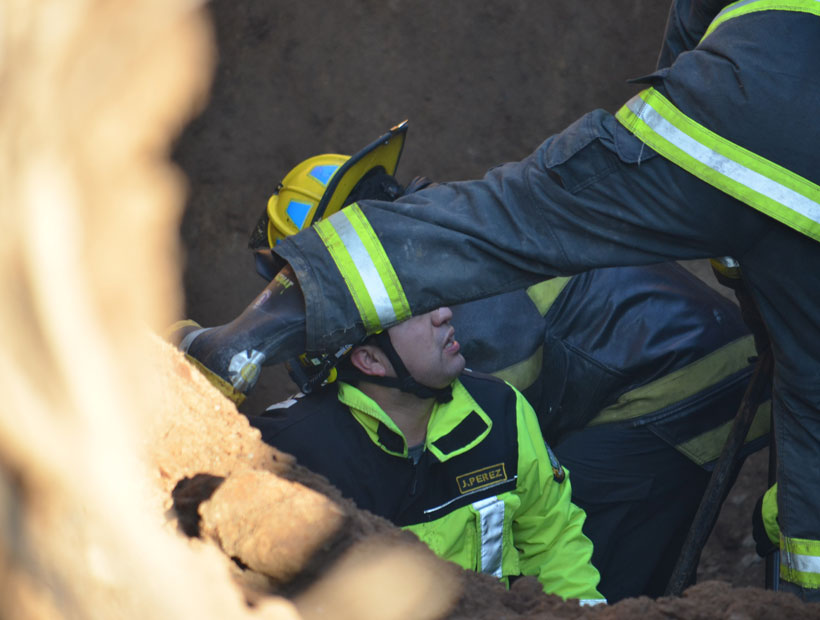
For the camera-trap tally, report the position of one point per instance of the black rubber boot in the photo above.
(270, 330)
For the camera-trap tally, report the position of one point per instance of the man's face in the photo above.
(427, 347)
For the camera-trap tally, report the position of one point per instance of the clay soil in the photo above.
(481, 82)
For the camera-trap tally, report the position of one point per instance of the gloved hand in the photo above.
(727, 272)
(417, 184)
(765, 529)
(375, 186)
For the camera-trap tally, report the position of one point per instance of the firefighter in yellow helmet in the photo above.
(232, 355)
(295, 202)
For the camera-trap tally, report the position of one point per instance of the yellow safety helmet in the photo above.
(319, 186)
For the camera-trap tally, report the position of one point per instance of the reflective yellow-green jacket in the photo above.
(485, 493)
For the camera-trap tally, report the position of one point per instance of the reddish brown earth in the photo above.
(288, 529)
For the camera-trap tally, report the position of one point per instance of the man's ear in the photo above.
(370, 360)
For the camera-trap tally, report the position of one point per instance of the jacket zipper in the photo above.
(415, 479)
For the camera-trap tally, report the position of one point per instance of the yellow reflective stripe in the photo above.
(523, 374)
(366, 270)
(680, 384)
(800, 561)
(351, 273)
(752, 179)
(218, 382)
(544, 294)
(769, 509)
(744, 7)
(707, 447)
(399, 306)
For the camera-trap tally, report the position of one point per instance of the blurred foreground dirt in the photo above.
(129, 488)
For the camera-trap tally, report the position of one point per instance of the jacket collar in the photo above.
(454, 427)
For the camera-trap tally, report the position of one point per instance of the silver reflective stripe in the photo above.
(244, 367)
(728, 261)
(365, 266)
(587, 602)
(186, 342)
(723, 165)
(491, 524)
(455, 499)
(801, 563)
(734, 6)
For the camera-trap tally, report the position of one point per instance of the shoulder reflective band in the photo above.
(800, 561)
(752, 179)
(744, 7)
(491, 525)
(367, 271)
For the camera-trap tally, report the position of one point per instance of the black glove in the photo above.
(418, 183)
(732, 278)
(375, 186)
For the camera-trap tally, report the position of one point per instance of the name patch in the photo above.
(484, 477)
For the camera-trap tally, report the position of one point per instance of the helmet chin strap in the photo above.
(403, 380)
